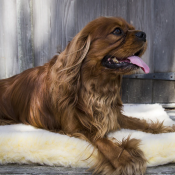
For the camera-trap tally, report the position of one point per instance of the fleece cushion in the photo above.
(26, 144)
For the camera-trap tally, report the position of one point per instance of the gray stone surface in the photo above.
(47, 170)
(37, 170)
(166, 169)
(171, 113)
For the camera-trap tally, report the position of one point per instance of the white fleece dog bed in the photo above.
(26, 144)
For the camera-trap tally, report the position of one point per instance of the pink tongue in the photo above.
(139, 62)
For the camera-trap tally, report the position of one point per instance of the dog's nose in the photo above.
(141, 35)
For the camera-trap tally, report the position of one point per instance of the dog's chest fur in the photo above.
(101, 102)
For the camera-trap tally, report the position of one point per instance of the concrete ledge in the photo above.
(47, 170)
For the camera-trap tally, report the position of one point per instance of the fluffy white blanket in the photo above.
(26, 144)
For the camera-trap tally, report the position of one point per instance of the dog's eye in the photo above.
(117, 31)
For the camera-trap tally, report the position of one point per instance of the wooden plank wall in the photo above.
(32, 31)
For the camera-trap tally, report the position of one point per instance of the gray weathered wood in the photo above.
(24, 33)
(54, 26)
(48, 170)
(63, 24)
(141, 15)
(115, 8)
(89, 10)
(164, 42)
(8, 47)
(44, 170)
(137, 91)
(41, 30)
(163, 91)
(2, 54)
(32, 31)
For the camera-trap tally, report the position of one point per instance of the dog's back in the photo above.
(19, 95)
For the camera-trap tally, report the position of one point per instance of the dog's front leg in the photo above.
(125, 157)
(142, 125)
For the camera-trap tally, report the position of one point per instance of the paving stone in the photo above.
(16, 169)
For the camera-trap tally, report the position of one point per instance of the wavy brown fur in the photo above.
(76, 95)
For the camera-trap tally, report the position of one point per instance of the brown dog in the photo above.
(78, 93)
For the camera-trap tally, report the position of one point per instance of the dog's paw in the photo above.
(158, 127)
(130, 161)
(173, 128)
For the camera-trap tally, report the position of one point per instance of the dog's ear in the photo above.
(75, 53)
(67, 69)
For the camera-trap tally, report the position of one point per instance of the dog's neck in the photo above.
(104, 89)
(102, 100)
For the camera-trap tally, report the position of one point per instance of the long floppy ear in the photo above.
(67, 70)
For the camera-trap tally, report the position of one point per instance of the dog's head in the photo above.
(115, 46)
(106, 47)
(109, 44)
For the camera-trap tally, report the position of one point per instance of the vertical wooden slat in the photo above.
(140, 14)
(114, 8)
(124, 90)
(137, 91)
(163, 91)
(164, 49)
(164, 35)
(41, 30)
(2, 53)
(68, 22)
(54, 27)
(87, 11)
(8, 43)
(24, 27)
(62, 24)
(56, 34)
